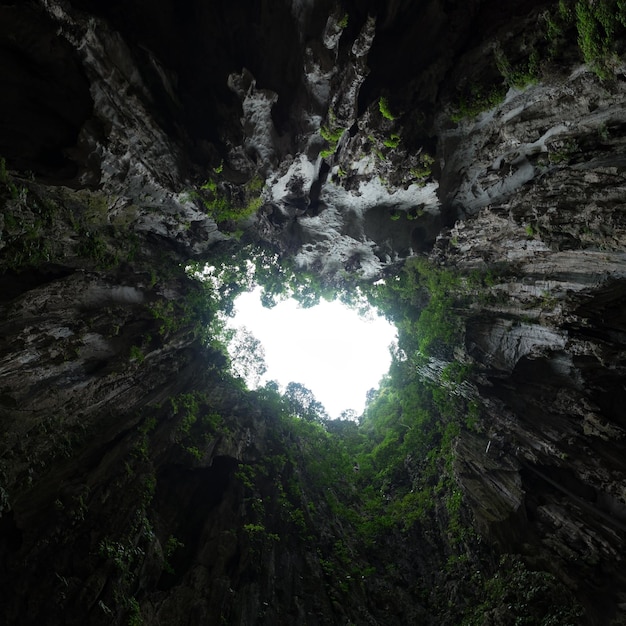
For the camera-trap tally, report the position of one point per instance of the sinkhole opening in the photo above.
(337, 352)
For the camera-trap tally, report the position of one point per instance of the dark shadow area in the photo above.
(187, 498)
(13, 284)
(45, 94)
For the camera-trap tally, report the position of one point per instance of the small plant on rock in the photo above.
(383, 107)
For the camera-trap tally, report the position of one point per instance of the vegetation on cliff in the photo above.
(483, 484)
(362, 499)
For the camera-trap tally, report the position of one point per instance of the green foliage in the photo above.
(393, 141)
(472, 416)
(136, 354)
(32, 250)
(302, 403)
(279, 279)
(260, 540)
(171, 546)
(26, 219)
(208, 304)
(94, 246)
(455, 372)
(404, 458)
(482, 95)
(404, 445)
(518, 595)
(346, 488)
(477, 99)
(126, 546)
(253, 190)
(563, 153)
(247, 357)
(187, 406)
(558, 22)
(332, 136)
(230, 205)
(211, 297)
(198, 423)
(120, 554)
(422, 300)
(134, 613)
(335, 486)
(57, 225)
(385, 111)
(424, 169)
(597, 24)
(197, 312)
(603, 132)
(599, 27)
(522, 74)
(425, 301)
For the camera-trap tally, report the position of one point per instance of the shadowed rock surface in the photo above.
(132, 466)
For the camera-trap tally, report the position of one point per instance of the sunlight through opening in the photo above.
(330, 348)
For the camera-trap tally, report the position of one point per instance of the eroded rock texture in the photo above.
(554, 431)
(121, 440)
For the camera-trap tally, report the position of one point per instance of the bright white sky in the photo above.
(328, 348)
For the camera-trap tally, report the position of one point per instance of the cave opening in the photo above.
(457, 169)
(283, 326)
(337, 351)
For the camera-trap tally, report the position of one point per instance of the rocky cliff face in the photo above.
(554, 429)
(344, 130)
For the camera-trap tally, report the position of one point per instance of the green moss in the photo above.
(523, 74)
(520, 595)
(424, 168)
(171, 546)
(260, 539)
(136, 354)
(393, 141)
(599, 26)
(230, 206)
(385, 111)
(476, 100)
(134, 613)
(563, 153)
(94, 247)
(332, 136)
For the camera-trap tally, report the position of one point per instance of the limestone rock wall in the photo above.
(543, 194)
(120, 437)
